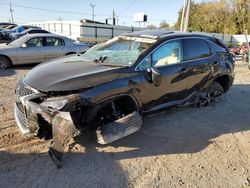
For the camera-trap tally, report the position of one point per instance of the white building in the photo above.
(85, 30)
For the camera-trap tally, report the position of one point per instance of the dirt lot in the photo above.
(183, 147)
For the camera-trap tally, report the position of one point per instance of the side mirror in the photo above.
(154, 76)
(24, 45)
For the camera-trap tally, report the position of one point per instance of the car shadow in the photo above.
(185, 130)
(80, 170)
(9, 72)
(13, 70)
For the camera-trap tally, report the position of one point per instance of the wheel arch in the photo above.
(224, 81)
(2, 55)
(126, 99)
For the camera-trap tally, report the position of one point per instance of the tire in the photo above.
(5, 63)
(211, 96)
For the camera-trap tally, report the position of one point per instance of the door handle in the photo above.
(184, 69)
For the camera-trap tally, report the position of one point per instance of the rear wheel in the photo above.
(4, 63)
(211, 96)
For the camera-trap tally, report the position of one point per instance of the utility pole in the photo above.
(187, 16)
(93, 11)
(113, 17)
(117, 20)
(183, 14)
(11, 13)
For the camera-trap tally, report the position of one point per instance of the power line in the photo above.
(50, 10)
(130, 5)
(21, 19)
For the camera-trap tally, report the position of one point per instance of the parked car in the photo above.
(17, 29)
(14, 36)
(108, 89)
(4, 25)
(36, 48)
(243, 48)
(235, 50)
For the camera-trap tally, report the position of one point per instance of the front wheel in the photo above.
(4, 63)
(211, 96)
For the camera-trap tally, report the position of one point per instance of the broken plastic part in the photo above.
(63, 129)
(119, 128)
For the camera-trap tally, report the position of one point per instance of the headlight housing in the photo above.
(58, 102)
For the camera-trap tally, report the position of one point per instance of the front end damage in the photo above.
(38, 115)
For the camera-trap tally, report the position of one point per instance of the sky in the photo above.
(26, 11)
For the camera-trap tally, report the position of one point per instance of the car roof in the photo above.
(161, 33)
(32, 29)
(42, 35)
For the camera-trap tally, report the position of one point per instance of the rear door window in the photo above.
(52, 41)
(195, 48)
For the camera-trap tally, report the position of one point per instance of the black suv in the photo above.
(109, 88)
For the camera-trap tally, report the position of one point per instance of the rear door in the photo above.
(33, 52)
(201, 62)
(54, 47)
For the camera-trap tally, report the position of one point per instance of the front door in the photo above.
(31, 51)
(167, 60)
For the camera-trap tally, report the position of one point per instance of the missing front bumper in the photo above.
(63, 129)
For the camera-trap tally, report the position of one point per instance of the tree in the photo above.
(221, 16)
(164, 25)
(151, 26)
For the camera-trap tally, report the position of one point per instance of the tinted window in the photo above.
(38, 31)
(169, 53)
(145, 64)
(35, 42)
(51, 41)
(32, 31)
(195, 49)
(215, 48)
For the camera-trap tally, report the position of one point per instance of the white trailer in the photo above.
(85, 30)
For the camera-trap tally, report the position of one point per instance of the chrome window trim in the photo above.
(211, 55)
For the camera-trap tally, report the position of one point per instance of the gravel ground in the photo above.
(183, 147)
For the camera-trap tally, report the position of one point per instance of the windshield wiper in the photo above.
(101, 59)
(113, 65)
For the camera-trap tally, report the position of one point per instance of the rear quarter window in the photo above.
(195, 48)
(216, 48)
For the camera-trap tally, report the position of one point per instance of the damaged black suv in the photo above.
(108, 89)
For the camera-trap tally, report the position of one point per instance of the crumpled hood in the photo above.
(69, 73)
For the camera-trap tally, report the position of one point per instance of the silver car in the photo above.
(36, 48)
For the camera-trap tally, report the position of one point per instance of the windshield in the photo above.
(17, 29)
(120, 51)
(18, 42)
